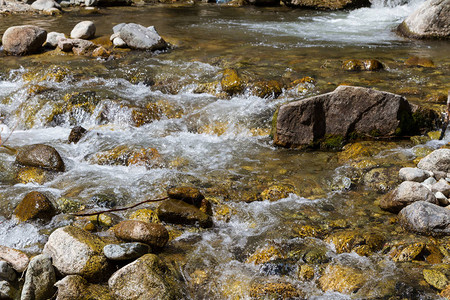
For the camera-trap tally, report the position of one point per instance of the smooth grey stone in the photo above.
(438, 160)
(426, 218)
(116, 29)
(406, 193)
(83, 30)
(125, 251)
(413, 174)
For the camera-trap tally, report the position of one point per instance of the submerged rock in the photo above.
(83, 30)
(16, 258)
(77, 252)
(75, 287)
(34, 205)
(406, 193)
(155, 235)
(146, 278)
(179, 212)
(435, 278)
(430, 20)
(141, 38)
(231, 82)
(362, 65)
(345, 113)
(426, 218)
(22, 40)
(344, 279)
(40, 155)
(327, 4)
(39, 279)
(415, 61)
(125, 251)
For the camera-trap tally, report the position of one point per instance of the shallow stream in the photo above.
(222, 145)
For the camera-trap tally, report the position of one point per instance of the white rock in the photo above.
(443, 201)
(413, 174)
(53, 38)
(83, 30)
(45, 4)
(438, 160)
(119, 43)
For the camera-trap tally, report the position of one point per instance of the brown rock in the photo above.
(34, 205)
(179, 212)
(101, 52)
(137, 231)
(348, 111)
(415, 61)
(16, 258)
(189, 195)
(22, 40)
(42, 156)
(76, 134)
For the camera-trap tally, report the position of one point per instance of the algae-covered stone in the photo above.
(16, 258)
(39, 279)
(137, 231)
(231, 82)
(415, 61)
(179, 212)
(189, 195)
(125, 155)
(267, 89)
(349, 240)
(34, 205)
(342, 279)
(145, 215)
(435, 278)
(42, 156)
(266, 254)
(409, 253)
(276, 290)
(31, 174)
(77, 252)
(146, 278)
(277, 191)
(75, 287)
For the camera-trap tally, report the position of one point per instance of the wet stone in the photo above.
(6, 271)
(40, 155)
(179, 212)
(76, 287)
(435, 278)
(155, 235)
(76, 134)
(426, 218)
(125, 251)
(34, 205)
(189, 195)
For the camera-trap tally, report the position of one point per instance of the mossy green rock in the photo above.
(435, 278)
(77, 252)
(179, 212)
(145, 278)
(34, 205)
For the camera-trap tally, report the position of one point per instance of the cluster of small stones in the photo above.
(29, 39)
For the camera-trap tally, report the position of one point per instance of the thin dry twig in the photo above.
(117, 209)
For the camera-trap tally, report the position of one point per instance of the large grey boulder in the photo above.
(327, 4)
(41, 156)
(83, 30)
(426, 218)
(430, 20)
(406, 193)
(22, 40)
(145, 278)
(347, 111)
(142, 38)
(77, 252)
(45, 4)
(39, 279)
(438, 160)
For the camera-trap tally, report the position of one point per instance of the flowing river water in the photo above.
(222, 146)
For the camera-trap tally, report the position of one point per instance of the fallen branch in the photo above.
(446, 119)
(117, 209)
